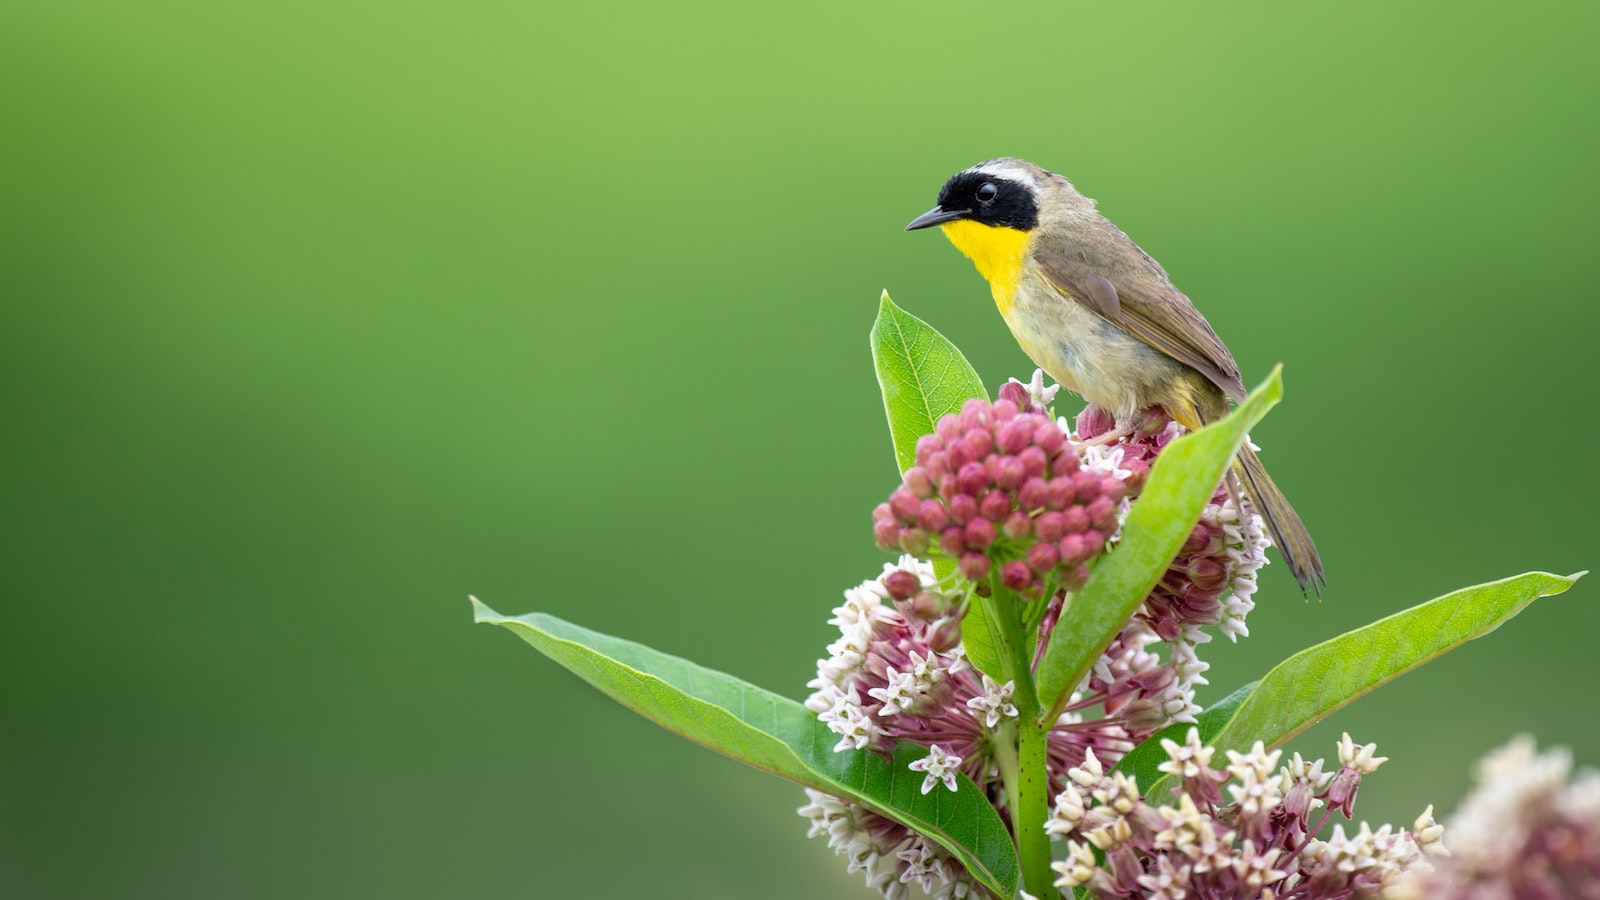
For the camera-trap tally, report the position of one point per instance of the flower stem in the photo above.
(1033, 808)
(1028, 780)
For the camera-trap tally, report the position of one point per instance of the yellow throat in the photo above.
(997, 252)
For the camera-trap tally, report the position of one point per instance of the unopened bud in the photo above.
(995, 505)
(1094, 421)
(980, 534)
(919, 482)
(914, 541)
(953, 541)
(905, 506)
(975, 566)
(1016, 575)
(927, 605)
(1017, 526)
(1207, 573)
(1015, 393)
(932, 516)
(901, 585)
(963, 508)
(945, 636)
(1042, 558)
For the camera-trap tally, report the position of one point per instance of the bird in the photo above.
(1101, 317)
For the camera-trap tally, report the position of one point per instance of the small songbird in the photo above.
(1101, 317)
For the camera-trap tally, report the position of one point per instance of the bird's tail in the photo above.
(1288, 532)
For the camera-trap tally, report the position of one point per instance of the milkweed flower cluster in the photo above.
(1023, 503)
(1262, 843)
(1527, 830)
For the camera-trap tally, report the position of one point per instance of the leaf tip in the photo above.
(482, 613)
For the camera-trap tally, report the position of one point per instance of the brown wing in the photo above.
(1107, 272)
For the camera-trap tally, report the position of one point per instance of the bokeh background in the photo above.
(316, 317)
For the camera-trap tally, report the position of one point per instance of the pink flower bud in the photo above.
(1035, 462)
(1074, 549)
(995, 505)
(1032, 494)
(1016, 575)
(958, 454)
(1015, 435)
(944, 636)
(963, 508)
(901, 585)
(932, 516)
(927, 446)
(1009, 472)
(1094, 421)
(1064, 464)
(1197, 541)
(1050, 526)
(1015, 393)
(914, 541)
(938, 466)
(887, 533)
(1152, 420)
(1048, 437)
(980, 442)
(1095, 539)
(1103, 514)
(1042, 558)
(1086, 485)
(1005, 409)
(1017, 526)
(972, 479)
(1112, 486)
(953, 541)
(947, 486)
(1208, 573)
(1060, 492)
(973, 413)
(1140, 474)
(1076, 519)
(975, 566)
(1075, 577)
(1342, 792)
(918, 482)
(927, 605)
(980, 534)
(905, 506)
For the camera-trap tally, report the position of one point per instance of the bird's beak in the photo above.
(936, 216)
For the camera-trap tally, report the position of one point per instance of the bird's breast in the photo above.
(999, 254)
(1087, 354)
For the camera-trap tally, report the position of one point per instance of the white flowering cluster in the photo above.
(1261, 844)
(890, 857)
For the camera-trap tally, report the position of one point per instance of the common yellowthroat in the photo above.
(1101, 317)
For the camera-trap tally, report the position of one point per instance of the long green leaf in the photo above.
(923, 378)
(1181, 483)
(922, 375)
(775, 734)
(1303, 689)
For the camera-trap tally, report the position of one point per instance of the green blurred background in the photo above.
(319, 316)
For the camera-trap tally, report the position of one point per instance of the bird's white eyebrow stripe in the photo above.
(1008, 171)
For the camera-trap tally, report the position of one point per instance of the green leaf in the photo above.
(923, 377)
(978, 642)
(1182, 481)
(1303, 689)
(775, 734)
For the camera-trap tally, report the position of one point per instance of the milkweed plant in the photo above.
(1009, 709)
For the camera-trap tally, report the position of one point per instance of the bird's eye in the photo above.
(987, 192)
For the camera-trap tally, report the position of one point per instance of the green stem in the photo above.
(1021, 751)
(1031, 811)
